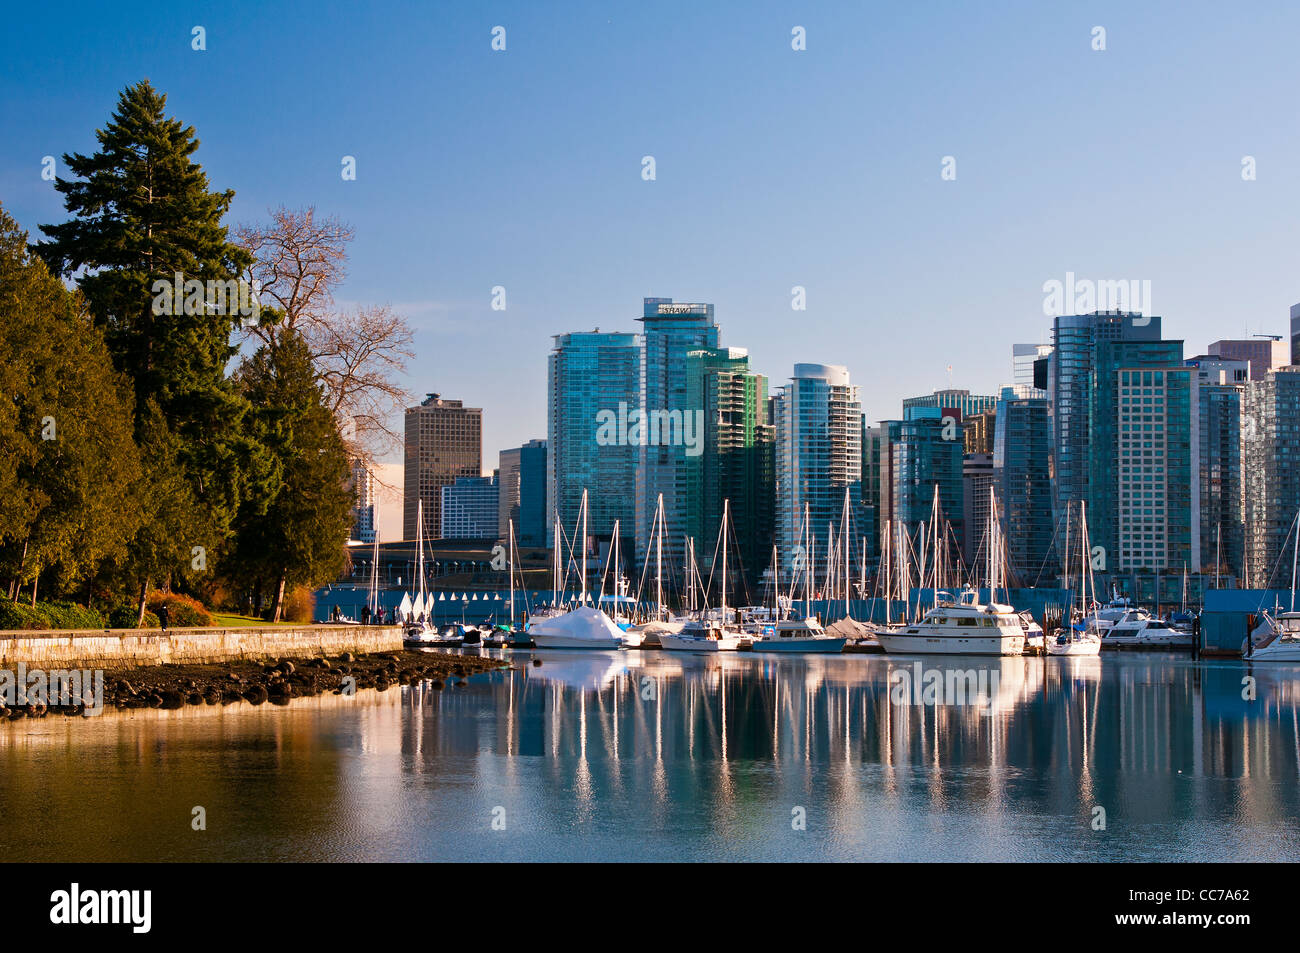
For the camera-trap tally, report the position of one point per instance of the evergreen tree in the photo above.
(142, 215)
(67, 457)
(295, 535)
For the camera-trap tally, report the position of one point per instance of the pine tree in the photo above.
(142, 215)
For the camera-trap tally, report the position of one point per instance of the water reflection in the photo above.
(629, 755)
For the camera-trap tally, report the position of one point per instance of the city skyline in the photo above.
(1117, 164)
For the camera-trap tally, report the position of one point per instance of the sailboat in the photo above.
(1083, 637)
(584, 626)
(420, 632)
(1277, 638)
(802, 635)
(646, 635)
(707, 634)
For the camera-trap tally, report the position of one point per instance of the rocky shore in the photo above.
(260, 681)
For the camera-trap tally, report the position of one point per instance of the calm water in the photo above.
(659, 756)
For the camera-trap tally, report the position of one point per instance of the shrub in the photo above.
(123, 617)
(182, 611)
(48, 615)
(300, 605)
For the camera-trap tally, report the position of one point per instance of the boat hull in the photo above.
(926, 643)
(1073, 648)
(829, 646)
(679, 643)
(543, 641)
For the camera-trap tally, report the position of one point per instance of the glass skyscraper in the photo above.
(589, 375)
(670, 330)
(1021, 448)
(818, 420)
(736, 462)
(1272, 474)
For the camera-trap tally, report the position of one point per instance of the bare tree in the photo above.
(359, 354)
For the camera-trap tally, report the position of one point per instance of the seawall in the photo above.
(133, 648)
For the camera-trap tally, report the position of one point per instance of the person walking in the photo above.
(162, 616)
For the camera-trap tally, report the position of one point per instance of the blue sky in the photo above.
(775, 168)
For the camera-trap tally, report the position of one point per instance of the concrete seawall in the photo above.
(132, 648)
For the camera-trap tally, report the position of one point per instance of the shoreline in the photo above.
(262, 681)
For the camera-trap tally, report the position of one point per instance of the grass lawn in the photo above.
(245, 621)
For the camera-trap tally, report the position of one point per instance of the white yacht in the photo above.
(1277, 639)
(967, 628)
(701, 636)
(1137, 627)
(797, 635)
(583, 628)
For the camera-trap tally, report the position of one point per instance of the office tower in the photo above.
(1070, 382)
(734, 462)
(670, 330)
(978, 429)
(363, 507)
(925, 451)
(873, 462)
(593, 383)
(818, 421)
(469, 508)
(523, 493)
(1021, 448)
(1272, 474)
(977, 479)
(1295, 334)
(1023, 359)
(528, 507)
(1219, 483)
(1142, 459)
(507, 491)
(958, 404)
(444, 440)
(1264, 352)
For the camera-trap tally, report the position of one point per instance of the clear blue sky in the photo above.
(775, 168)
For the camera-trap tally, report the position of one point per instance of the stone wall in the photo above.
(129, 648)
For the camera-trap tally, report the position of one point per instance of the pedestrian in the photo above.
(365, 615)
(162, 616)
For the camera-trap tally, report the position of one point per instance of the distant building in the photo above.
(1272, 474)
(363, 507)
(1021, 450)
(1264, 354)
(1295, 334)
(956, 403)
(818, 420)
(469, 508)
(523, 493)
(592, 377)
(1024, 357)
(444, 440)
(977, 480)
(925, 453)
(979, 430)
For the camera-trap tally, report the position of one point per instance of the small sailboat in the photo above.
(801, 635)
(1082, 638)
(710, 632)
(419, 630)
(582, 627)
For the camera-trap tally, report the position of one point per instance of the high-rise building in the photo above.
(979, 430)
(363, 507)
(1295, 334)
(1219, 483)
(523, 493)
(735, 463)
(1021, 448)
(1272, 474)
(1263, 353)
(444, 440)
(1023, 359)
(670, 330)
(818, 420)
(1071, 367)
(593, 385)
(469, 508)
(873, 462)
(925, 454)
(958, 404)
(977, 480)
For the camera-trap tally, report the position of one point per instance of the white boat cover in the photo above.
(583, 623)
(405, 608)
(850, 629)
(417, 607)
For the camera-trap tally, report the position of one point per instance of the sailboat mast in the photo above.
(726, 504)
(582, 586)
(659, 558)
